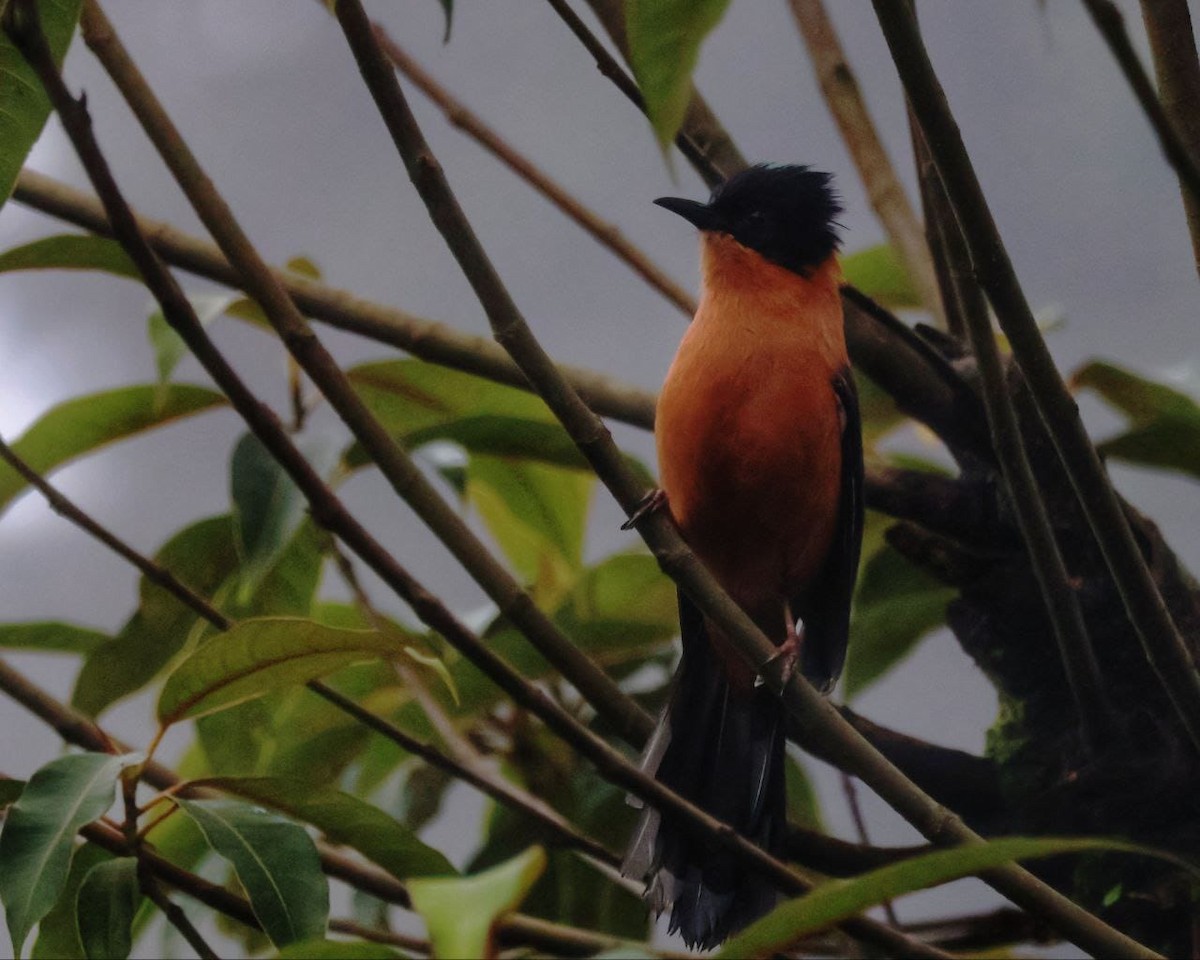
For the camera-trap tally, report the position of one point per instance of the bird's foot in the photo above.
(656, 499)
(783, 663)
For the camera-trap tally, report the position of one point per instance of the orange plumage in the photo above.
(760, 455)
(748, 435)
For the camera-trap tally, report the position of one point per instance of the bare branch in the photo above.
(1177, 69)
(607, 64)
(601, 230)
(884, 190)
(1111, 24)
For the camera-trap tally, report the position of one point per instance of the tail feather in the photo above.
(723, 750)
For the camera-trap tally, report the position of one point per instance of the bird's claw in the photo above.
(782, 663)
(656, 499)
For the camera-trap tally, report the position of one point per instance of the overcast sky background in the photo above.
(271, 101)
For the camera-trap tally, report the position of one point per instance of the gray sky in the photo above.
(271, 101)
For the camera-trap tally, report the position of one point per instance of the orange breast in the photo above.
(748, 433)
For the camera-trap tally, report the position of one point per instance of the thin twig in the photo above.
(700, 123)
(1177, 70)
(328, 511)
(811, 710)
(1061, 600)
(352, 928)
(1111, 24)
(176, 917)
(514, 603)
(465, 762)
(937, 212)
(884, 190)
(860, 827)
(604, 232)
(709, 171)
(1164, 646)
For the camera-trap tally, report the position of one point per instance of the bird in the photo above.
(759, 446)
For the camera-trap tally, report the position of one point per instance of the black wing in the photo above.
(825, 606)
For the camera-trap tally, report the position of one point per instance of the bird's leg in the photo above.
(787, 656)
(656, 499)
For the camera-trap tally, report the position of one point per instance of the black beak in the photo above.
(699, 215)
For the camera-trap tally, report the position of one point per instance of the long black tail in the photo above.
(724, 751)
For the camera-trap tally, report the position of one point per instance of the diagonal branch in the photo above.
(469, 123)
(1061, 600)
(1177, 69)
(406, 478)
(607, 64)
(702, 126)
(884, 190)
(1111, 24)
(811, 710)
(1164, 646)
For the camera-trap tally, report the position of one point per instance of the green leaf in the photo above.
(835, 900)
(49, 635)
(896, 604)
(108, 899)
(338, 950)
(803, 804)
(461, 912)
(39, 833)
(58, 931)
(343, 818)
(257, 656)
(276, 863)
(24, 106)
(877, 407)
(537, 514)
(267, 509)
(10, 790)
(420, 402)
(201, 556)
(664, 45)
(86, 424)
(1164, 424)
(879, 273)
(70, 251)
(168, 345)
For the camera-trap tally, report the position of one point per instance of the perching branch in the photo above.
(513, 601)
(1163, 644)
(1177, 70)
(812, 711)
(605, 233)
(884, 190)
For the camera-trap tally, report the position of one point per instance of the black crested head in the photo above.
(785, 213)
